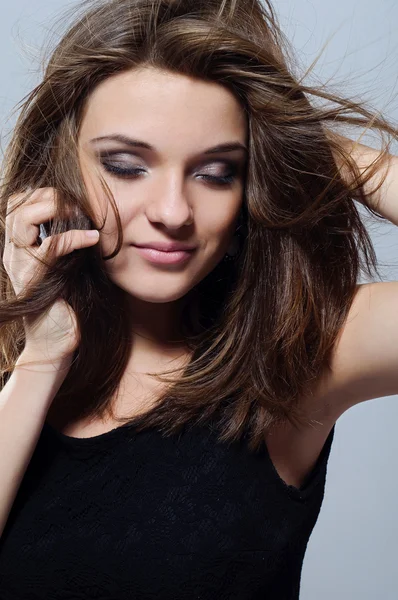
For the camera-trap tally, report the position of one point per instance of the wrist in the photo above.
(30, 361)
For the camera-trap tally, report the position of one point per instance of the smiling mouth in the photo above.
(166, 258)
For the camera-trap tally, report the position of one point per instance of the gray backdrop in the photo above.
(353, 550)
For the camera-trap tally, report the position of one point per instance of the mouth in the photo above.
(175, 257)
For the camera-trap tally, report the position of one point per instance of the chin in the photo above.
(160, 288)
(157, 293)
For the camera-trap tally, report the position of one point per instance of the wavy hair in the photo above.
(261, 327)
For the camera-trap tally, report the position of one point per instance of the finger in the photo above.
(28, 196)
(18, 202)
(27, 224)
(25, 227)
(64, 243)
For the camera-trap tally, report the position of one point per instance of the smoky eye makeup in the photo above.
(219, 171)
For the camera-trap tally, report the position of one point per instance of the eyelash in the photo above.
(131, 174)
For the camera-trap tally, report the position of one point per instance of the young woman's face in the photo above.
(174, 191)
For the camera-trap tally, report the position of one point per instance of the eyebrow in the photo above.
(123, 139)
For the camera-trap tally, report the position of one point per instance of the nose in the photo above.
(170, 205)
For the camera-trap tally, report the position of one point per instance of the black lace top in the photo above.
(136, 515)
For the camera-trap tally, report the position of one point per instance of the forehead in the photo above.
(159, 105)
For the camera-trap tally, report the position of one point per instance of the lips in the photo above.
(166, 246)
(164, 257)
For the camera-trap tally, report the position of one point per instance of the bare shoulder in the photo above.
(364, 366)
(365, 356)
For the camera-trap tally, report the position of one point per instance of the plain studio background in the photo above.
(353, 550)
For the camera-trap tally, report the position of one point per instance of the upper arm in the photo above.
(365, 357)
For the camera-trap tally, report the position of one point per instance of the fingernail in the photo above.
(93, 233)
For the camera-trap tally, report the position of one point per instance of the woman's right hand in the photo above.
(54, 335)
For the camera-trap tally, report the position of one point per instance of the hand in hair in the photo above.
(52, 335)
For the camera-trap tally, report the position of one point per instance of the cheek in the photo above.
(105, 216)
(109, 233)
(221, 228)
(98, 198)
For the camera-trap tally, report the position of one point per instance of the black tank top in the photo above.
(135, 515)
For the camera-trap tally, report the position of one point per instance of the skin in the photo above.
(169, 200)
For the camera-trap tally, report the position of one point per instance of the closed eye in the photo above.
(135, 173)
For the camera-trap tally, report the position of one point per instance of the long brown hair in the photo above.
(262, 327)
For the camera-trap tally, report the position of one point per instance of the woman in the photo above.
(229, 248)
